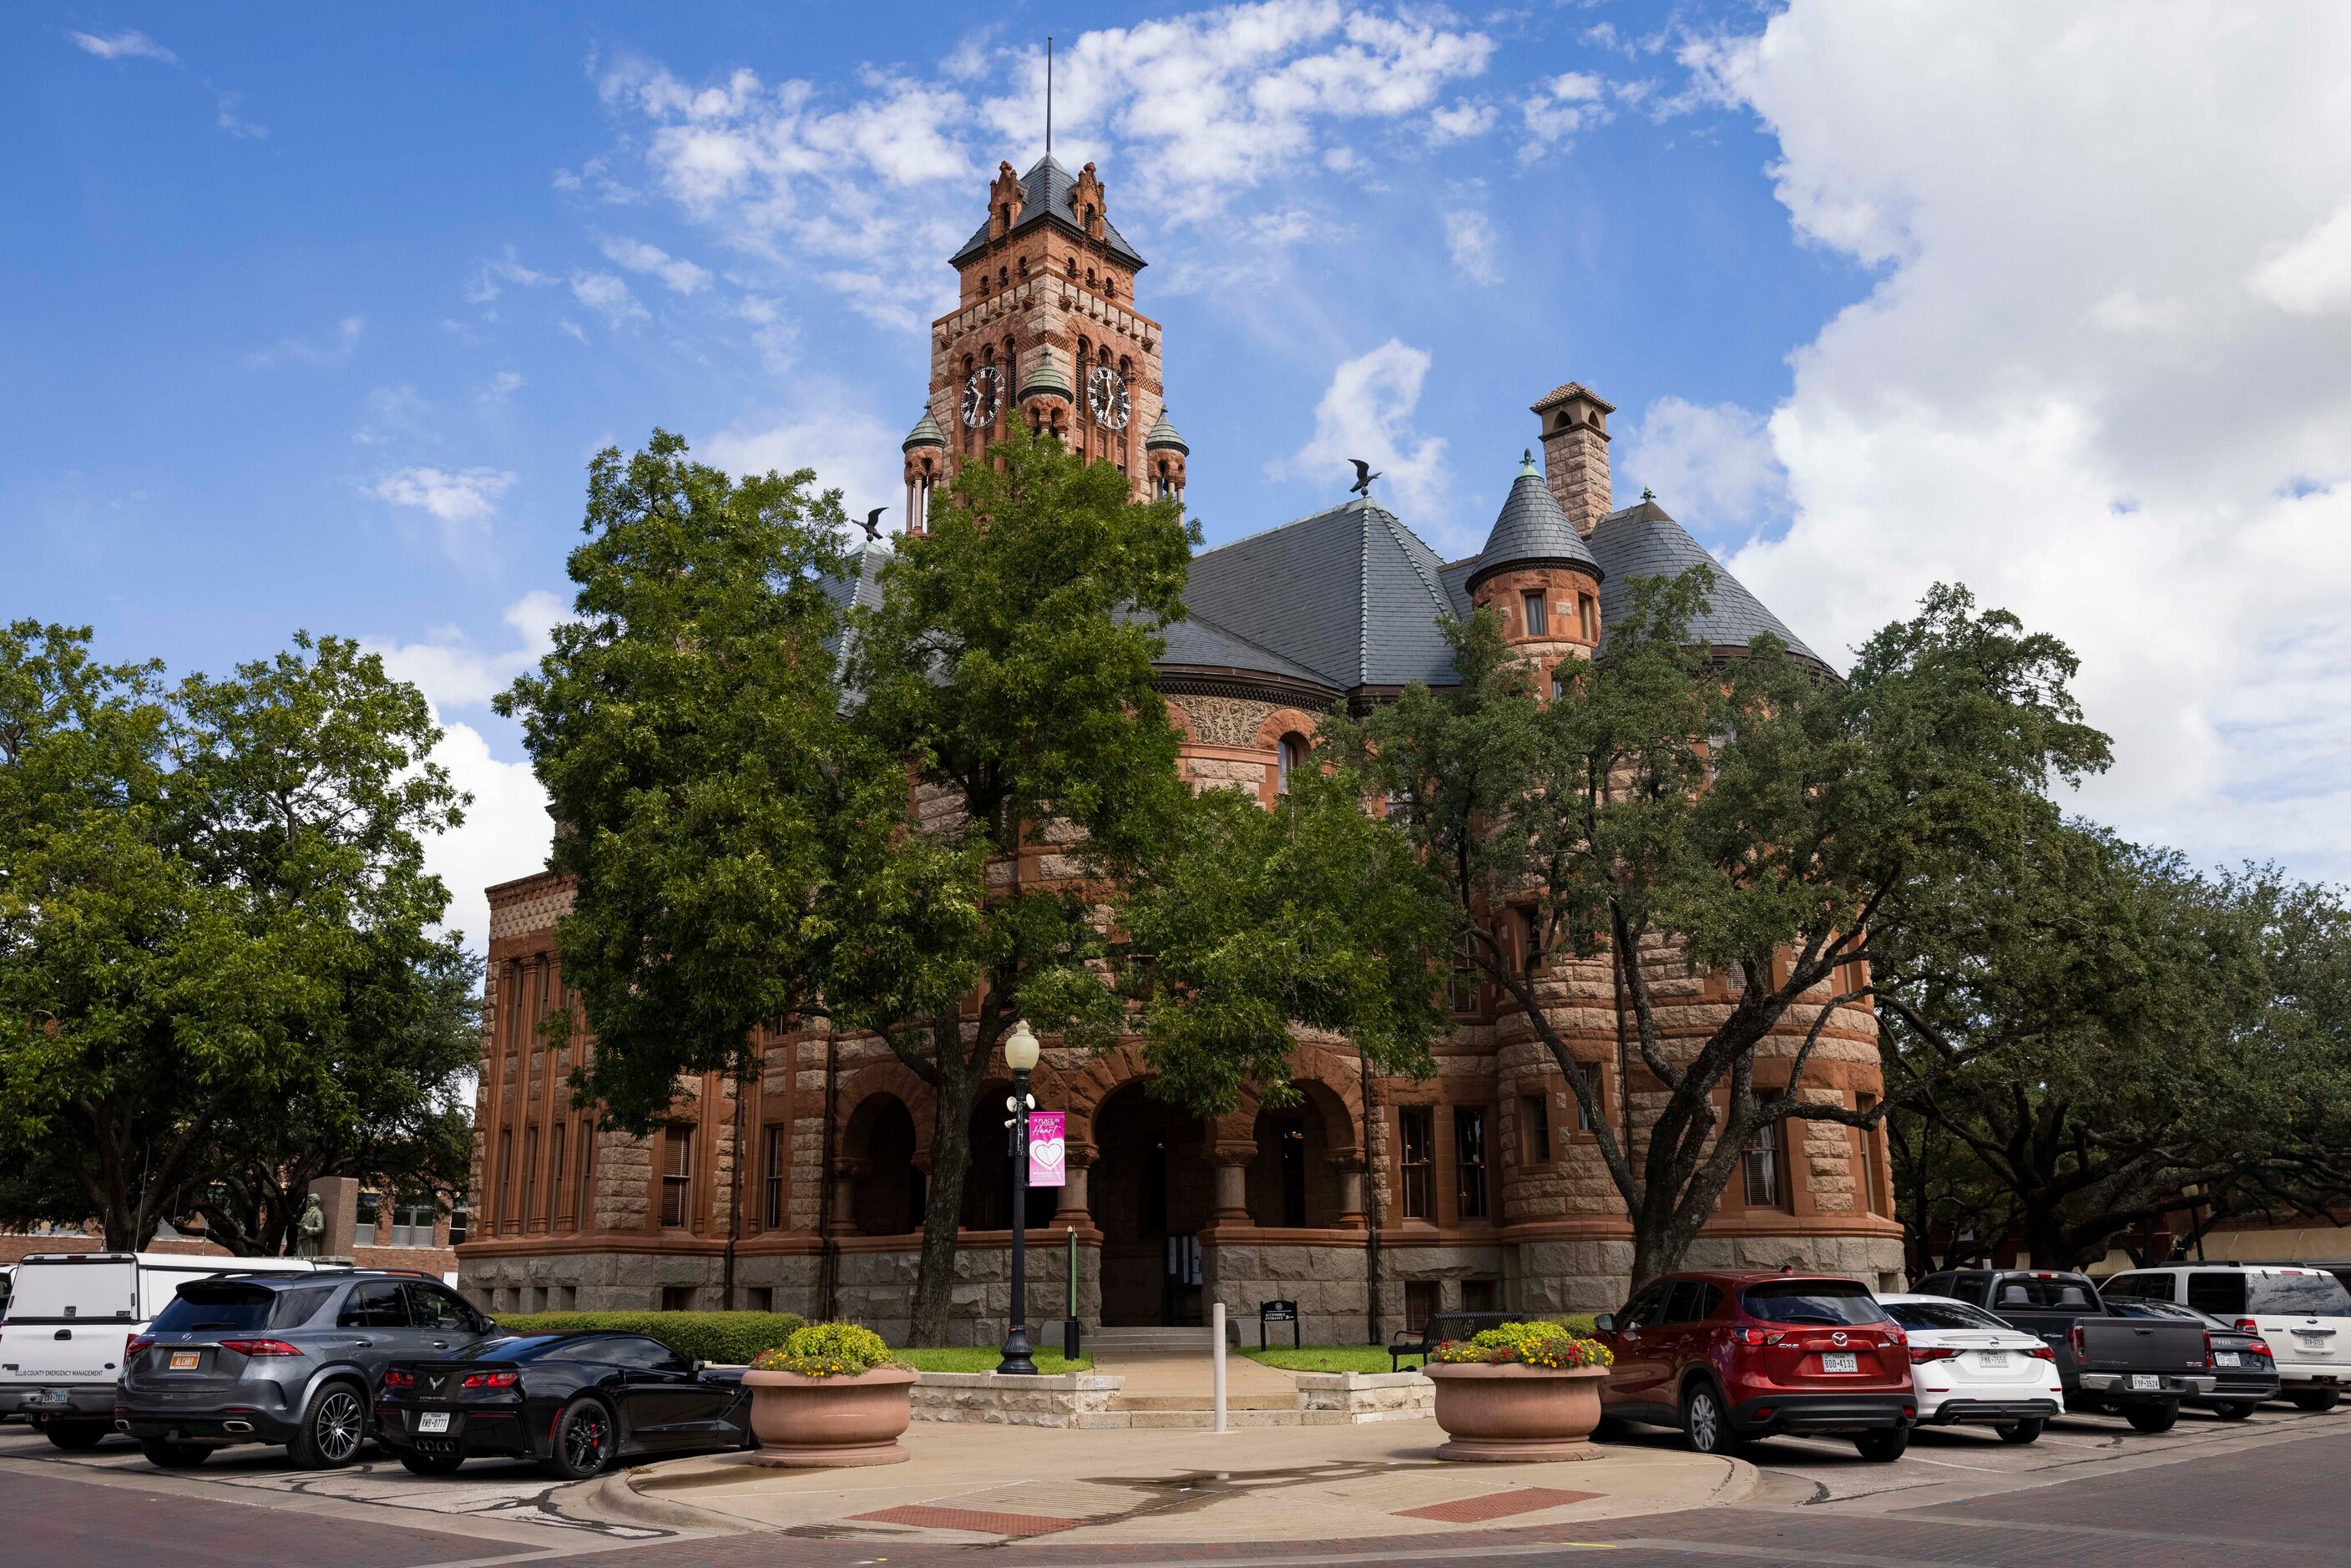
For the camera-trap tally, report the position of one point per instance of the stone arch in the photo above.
(1284, 721)
(883, 1156)
(1086, 1087)
(893, 1078)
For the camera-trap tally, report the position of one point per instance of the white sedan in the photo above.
(1970, 1367)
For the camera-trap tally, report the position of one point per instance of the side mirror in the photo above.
(485, 1325)
(1605, 1323)
(697, 1366)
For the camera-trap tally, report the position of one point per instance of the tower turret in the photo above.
(1537, 573)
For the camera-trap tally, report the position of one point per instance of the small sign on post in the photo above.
(1277, 1312)
(1048, 1149)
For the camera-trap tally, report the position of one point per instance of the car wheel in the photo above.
(2153, 1417)
(583, 1441)
(166, 1455)
(1884, 1444)
(75, 1437)
(2315, 1399)
(2021, 1432)
(431, 1464)
(2235, 1410)
(1704, 1422)
(333, 1429)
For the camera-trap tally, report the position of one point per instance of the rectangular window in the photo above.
(412, 1222)
(1470, 1162)
(556, 1173)
(1584, 1112)
(1588, 617)
(760, 1299)
(677, 1298)
(530, 1217)
(1534, 1129)
(1538, 614)
(371, 1206)
(1416, 1136)
(677, 1178)
(1419, 1304)
(460, 1220)
(774, 1170)
(1461, 988)
(1479, 1295)
(1873, 1172)
(582, 1191)
(1531, 932)
(503, 1206)
(1760, 1166)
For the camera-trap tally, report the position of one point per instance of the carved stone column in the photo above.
(1232, 1160)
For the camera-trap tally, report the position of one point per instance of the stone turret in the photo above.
(1164, 453)
(1539, 575)
(1575, 452)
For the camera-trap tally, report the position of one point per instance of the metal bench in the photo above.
(1440, 1327)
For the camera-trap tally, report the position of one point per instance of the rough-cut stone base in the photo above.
(635, 1281)
(1354, 1398)
(1327, 1283)
(1071, 1399)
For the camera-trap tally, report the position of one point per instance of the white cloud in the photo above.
(607, 295)
(459, 503)
(683, 276)
(849, 450)
(1469, 237)
(2311, 277)
(1711, 466)
(1367, 412)
(301, 351)
(1560, 107)
(2129, 426)
(453, 673)
(503, 385)
(1462, 122)
(124, 46)
(236, 124)
(491, 278)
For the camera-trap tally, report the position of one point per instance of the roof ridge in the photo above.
(1277, 528)
(1200, 619)
(1400, 533)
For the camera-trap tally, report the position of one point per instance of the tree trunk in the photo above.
(958, 1087)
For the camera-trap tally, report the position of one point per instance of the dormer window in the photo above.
(1006, 210)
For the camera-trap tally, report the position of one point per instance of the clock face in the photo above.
(980, 396)
(1106, 395)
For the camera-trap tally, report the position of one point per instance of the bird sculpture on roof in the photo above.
(873, 523)
(1363, 477)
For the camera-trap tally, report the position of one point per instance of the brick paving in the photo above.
(1496, 1505)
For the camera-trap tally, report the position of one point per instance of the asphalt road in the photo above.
(2257, 1494)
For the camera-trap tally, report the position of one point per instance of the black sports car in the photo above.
(574, 1401)
(2242, 1364)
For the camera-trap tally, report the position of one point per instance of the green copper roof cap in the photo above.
(1163, 436)
(1047, 380)
(926, 434)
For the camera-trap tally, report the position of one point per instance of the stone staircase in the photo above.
(1167, 1380)
(1127, 1341)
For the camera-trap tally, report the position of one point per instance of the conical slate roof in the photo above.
(1642, 540)
(1531, 529)
(1163, 436)
(1049, 191)
(1047, 380)
(926, 434)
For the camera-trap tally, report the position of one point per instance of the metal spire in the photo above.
(1048, 95)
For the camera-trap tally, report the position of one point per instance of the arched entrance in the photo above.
(1151, 1191)
(888, 1197)
(1290, 1183)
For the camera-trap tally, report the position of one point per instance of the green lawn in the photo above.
(984, 1358)
(1367, 1357)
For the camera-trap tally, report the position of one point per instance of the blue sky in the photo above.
(313, 319)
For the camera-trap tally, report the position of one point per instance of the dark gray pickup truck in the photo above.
(2137, 1367)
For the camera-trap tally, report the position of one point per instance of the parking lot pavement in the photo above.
(486, 1493)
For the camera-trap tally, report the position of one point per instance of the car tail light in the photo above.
(2208, 1350)
(259, 1348)
(2080, 1340)
(1896, 1337)
(2247, 1325)
(2042, 1352)
(2261, 1347)
(1919, 1353)
(135, 1344)
(1756, 1336)
(491, 1379)
(396, 1378)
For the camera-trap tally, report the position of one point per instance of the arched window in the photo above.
(1290, 756)
(1073, 269)
(1090, 280)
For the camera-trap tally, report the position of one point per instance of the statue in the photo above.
(312, 1227)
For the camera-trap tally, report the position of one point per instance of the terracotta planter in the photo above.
(820, 1423)
(1514, 1414)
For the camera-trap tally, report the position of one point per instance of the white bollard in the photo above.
(1216, 1360)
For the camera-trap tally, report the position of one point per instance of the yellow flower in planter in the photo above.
(827, 1350)
(1541, 1345)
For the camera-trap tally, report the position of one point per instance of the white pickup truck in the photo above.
(69, 1316)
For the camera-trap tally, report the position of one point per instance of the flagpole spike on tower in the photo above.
(1048, 95)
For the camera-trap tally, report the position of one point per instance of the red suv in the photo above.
(1727, 1357)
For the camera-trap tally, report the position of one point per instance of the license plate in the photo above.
(432, 1421)
(2226, 1358)
(1992, 1360)
(1839, 1361)
(2314, 1341)
(48, 1396)
(2146, 1383)
(184, 1360)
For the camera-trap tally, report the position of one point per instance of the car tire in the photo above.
(333, 1428)
(2234, 1410)
(1706, 1421)
(166, 1455)
(2153, 1419)
(2315, 1399)
(75, 1437)
(582, 1442)
(1883, 1445)
(431, 1464)
(2022, 1432)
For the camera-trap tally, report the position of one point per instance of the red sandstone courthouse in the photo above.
(1476, 1189)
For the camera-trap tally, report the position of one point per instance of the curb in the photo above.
(615, 1498)
(1743, 1482)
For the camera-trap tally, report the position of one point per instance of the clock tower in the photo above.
(1045, 331)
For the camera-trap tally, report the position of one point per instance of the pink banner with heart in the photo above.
(1047, 1154)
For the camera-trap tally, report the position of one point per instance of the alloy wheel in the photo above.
(337, 1425)
(1704, 1422)
(584, 1441)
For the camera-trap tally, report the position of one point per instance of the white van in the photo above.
(2304, 1312)
(71, 1313)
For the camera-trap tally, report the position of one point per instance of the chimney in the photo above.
(1575, 453)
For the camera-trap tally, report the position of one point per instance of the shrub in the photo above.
(827, 1350)
(1529, 1344)
(728, 1339)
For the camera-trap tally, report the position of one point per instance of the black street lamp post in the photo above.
(1020, 1052)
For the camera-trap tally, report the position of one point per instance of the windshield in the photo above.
(2135, 1307)
(1831, 1301)
(2057, 1291)
(2321, 1295)
(206, 1307)
(1942, 1315)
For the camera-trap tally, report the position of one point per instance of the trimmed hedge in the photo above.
(728, 1339)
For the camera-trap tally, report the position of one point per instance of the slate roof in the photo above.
(1350, 594)
(1198, 643)
(1047, 191)
(1642, 540)
(1531, 528)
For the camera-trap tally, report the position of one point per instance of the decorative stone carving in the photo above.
(1224, 721)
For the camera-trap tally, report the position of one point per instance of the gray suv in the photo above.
(281, 1358)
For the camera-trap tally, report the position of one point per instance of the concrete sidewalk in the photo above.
(977, 1484)
(1160, 1380)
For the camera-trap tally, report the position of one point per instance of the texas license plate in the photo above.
(432, 1421)
(1992, 1360)
(186, 1360)
(2226, 1358)
(1839, 1361)
(2146, 1383)
(48, 1396)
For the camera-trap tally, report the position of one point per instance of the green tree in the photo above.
(1744, 817)
(1008, 672)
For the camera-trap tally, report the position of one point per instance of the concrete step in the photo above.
(1201, 1402)
(1114, 1340)
(1200, 1420)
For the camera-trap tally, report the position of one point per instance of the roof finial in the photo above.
(1049, 97)
(1648, 494)
(1527, 461)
